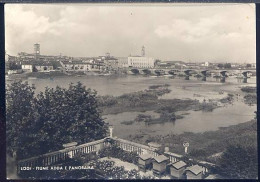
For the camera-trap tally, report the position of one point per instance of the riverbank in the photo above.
(205, 146)
(250, 98)
(37, 75)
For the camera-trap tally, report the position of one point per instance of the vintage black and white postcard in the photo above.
(131, 91)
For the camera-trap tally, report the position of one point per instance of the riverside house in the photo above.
(43, 66)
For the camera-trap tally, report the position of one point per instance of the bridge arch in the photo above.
(146, 71)
(135, 71)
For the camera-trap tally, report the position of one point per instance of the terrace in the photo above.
(115, 158)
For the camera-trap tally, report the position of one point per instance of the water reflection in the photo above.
(221, 79)
(187, 77)
(242, 80)
(204, 79)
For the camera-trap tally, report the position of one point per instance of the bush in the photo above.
(109, 171)
(117, 152)
(248, 89)
(239, 162)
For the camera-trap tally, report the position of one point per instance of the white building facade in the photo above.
(27, 67)
(141, 62)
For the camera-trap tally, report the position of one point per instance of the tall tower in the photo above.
(36, 50)
(143, 51)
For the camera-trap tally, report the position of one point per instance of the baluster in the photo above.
(44, 161)
(57, 158)
(72, 153)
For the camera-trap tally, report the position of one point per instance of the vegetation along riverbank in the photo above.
(149, 100)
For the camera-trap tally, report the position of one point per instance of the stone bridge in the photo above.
(186, 72)
(190, 72)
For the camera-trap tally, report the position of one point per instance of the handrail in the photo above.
(133, 143)
(64, 150)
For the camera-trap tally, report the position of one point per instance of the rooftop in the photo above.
(160, 158)
(196, 169)
(146, 156)
(179, 164)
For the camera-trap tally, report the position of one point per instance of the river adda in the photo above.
(181, 88)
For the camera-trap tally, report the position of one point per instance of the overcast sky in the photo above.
(205, 32)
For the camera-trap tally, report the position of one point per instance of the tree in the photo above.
(220, 65)
(248, 65)
(239, 162)
(34, 69)
(14, 66)
(227, 65)
(20, 117)
(56, 116)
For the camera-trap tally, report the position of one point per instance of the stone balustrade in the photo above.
(132, 146)
(95, 146)
(55, 157)
(173, 156)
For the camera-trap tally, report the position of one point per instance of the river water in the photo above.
(182, 88)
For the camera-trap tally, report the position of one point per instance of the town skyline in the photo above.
(167, 35)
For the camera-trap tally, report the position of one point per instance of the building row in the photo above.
(102, 63)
